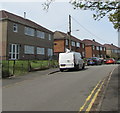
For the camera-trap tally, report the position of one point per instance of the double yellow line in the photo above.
(98, 88)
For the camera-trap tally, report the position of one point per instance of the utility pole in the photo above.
(69, 32)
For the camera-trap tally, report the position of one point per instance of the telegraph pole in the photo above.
(69, 32)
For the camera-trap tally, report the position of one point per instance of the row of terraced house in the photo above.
(24, 39)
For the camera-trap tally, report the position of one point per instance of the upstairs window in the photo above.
(66, 42)
(100, 48)
(78, 44)
(97, 48)
(104, 48)
(49, 36)
(73, 43)
(40, 34)
(15, 27)
(29, 31)
(93, 47)
(83, 45)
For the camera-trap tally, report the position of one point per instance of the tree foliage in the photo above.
(101, 8)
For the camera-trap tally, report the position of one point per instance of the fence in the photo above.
(19, 67)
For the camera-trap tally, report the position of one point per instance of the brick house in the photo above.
(94, 49)
(112, 51)
(24, 39)
(61, 43)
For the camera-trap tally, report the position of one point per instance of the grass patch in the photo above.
(20, 67)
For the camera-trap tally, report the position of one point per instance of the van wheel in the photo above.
(61, 70)
(83, 67)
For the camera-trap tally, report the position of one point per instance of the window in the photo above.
(14, 51)
(93, 47)
(83, 54)
(15, 27)
(97, 48)
(73, 43)
(104, 48)
(100, 48)
(50, 52)
(78, 44)
(50, 37)
(29, 31)
(40, 51)
(83, 45)
(40, 34)
(28, 49)
(66, 42)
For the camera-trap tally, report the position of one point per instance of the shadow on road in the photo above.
(74, 70)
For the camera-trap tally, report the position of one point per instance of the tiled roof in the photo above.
(15, 18)
(62, 35)
(111, 46)
(92, 42)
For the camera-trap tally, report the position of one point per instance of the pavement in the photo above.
(110, 100)
(28, 76)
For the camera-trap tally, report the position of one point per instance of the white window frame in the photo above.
(78, 44)
(15, 27)
(29, 31)
(93, 47)
(66, 42)
(73, 43)
(29, 49)
(40, 51)
(40, 34)
(100, 48)
(49, 36)
(83, 45)
(97, 48)
(50, 52)
(14, 54)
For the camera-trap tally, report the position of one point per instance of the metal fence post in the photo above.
(14, 67)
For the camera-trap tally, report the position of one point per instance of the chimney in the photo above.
(24, 15)
(112, 44)
(94, 40)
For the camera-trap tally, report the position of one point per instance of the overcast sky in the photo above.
(57, 19)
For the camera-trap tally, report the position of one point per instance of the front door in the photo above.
(14, 51)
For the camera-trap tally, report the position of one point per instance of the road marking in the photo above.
(89, 97)
(94, 98)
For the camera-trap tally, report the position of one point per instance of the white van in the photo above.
(70, 60)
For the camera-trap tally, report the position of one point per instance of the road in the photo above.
(61, 91)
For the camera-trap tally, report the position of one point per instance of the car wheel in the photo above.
(61, 70)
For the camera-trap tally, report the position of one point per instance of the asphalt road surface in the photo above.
(61, 91)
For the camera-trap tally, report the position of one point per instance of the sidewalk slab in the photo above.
(110, 100)
(30, 75)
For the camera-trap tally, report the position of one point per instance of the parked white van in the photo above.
(70, 60)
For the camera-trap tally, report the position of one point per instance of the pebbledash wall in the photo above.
(24, 39)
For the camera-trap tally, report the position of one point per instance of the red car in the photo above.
(110, 61)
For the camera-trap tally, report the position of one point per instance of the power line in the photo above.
(89, 31)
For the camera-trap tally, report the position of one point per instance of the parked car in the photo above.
(94, 61)
(118, 61)
(70, 60)
(110, 61)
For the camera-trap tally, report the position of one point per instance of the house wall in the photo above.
(3, 39)
(59, 46)
(22, 39)
(88, 52)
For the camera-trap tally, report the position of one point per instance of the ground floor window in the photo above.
(50, 52)
(14, 51)
(40, 51)
(28, 49)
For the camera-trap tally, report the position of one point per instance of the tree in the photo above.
(101, 8)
